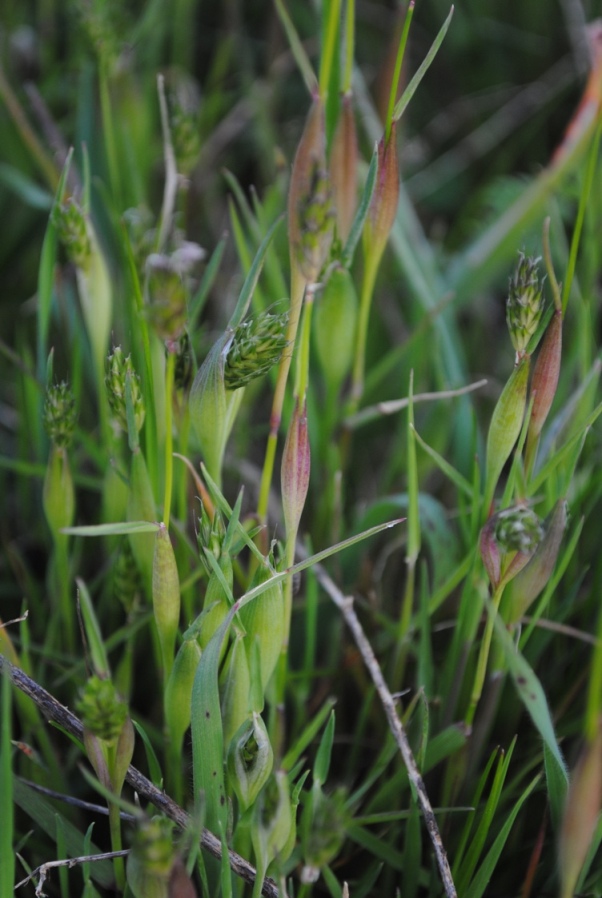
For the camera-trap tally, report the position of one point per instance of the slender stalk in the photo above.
(329, 46)
(169, 382)
(117, 844)
(483, 658)
(397, 71)
(349, 46)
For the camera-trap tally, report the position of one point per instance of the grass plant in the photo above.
(300, 457)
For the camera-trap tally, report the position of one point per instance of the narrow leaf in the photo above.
(422, 70)
(530, 691)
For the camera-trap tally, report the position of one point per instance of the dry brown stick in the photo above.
(43, 870)
(53, 710)
(345, 604)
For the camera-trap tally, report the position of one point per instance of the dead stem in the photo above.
(345, 605)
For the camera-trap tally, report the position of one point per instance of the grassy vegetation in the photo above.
(301, 303)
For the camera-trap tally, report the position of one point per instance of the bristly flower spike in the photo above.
(525, 303)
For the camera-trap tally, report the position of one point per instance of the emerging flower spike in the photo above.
(257, 346)
(508, 541)
(119, 369)
(102, 711)
(518, 529)
(71, 224)
(525, 303)
(532, 579)
(151, 859)
(60, 415)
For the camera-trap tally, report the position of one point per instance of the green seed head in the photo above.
(167, 297)
(522, 591)
(210, 536)
(60, 415)
(525, 303)
(102, 710)
(127, 582)
(73, 231)
(257, 346)
(151, 859)
(119, 371)
(518, 529)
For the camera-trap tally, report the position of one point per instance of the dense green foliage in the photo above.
(221, 311)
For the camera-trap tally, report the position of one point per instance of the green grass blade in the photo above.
(444, 466)
(376, 846)
(117, 529)
(308, 734)
(100, 662)
(529, 689)
(557, 785)
(199, 299)
(485, 822)
(154, 767)
(485, 871)
(410, 90)
(322, 762)
(207, 734)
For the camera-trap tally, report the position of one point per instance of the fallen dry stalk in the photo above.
(345, 605)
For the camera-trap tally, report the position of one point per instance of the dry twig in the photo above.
(345, 605)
